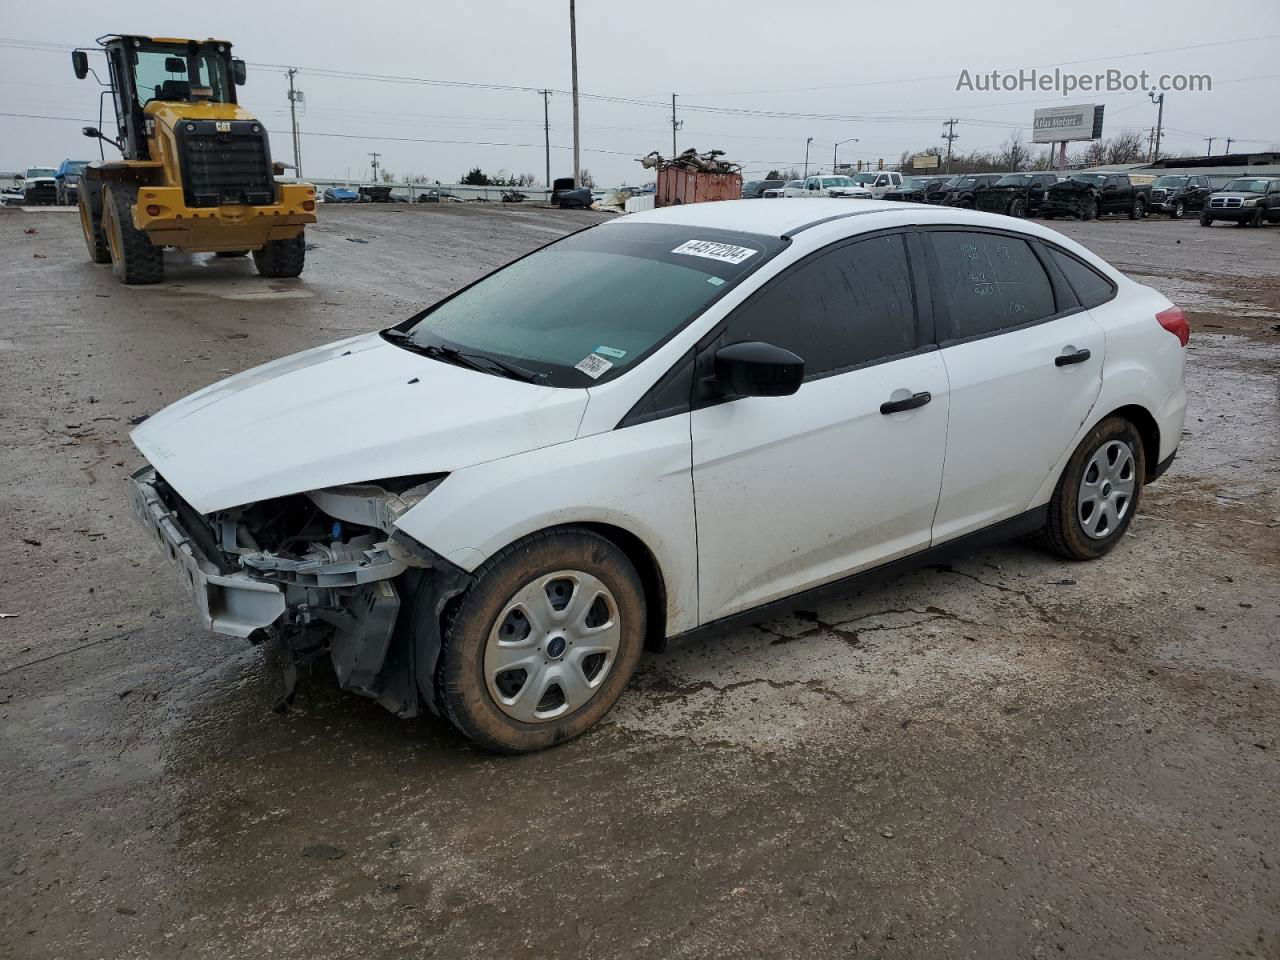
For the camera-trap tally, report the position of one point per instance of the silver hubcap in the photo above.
(552, 646)
(1106, 489)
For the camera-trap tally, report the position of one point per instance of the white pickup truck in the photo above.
(879, 182)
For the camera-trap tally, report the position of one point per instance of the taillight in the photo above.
(1175, 321)
(308, 205)
(153, 210)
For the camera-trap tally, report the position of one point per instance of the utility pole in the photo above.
(375, 165)
(949, 136)
(1228, 150)
(1209, 152)
(1158, 101)
(806, 157)
(573, 54)
(675, 125)
(294, 97)
(1151, 139)
(546, 130)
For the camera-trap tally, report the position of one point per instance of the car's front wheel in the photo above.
(1098, 492)
(1206, 220)
(1179, 208)
(544, 643)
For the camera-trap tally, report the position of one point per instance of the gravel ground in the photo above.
(1005, 756)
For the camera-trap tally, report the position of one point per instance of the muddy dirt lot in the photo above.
(1007, 756)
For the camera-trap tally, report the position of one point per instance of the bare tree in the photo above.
(1014, 155)
(585, 179)
(1128, 146)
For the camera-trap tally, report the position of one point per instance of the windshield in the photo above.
(795, 183)
(1247, 186)
(862, 179)
(1169, 181)
(160, 72)
(588, 307)
(39, 172)
(1097, 179)
(1014, 180)
(968, 182)
(837, 182)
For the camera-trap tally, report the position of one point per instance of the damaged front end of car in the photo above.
(324, 571)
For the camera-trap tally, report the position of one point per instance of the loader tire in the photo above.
(282, 258)
(94, 239)
(134, 258)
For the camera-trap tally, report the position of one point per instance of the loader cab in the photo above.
(145, 69)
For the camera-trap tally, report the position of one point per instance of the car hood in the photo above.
(357, 410)
(1235, 194)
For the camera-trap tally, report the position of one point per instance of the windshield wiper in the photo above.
(477, 362)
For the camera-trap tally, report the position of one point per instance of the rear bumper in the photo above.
(162, 212)
(230, 604)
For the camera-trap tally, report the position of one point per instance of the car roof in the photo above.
(790, 215)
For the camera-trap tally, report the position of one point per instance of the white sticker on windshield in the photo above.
(713, 250)
(593, 366)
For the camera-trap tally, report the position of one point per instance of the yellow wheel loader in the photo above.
(196, 171)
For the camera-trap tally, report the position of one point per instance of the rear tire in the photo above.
(94, 239)
(1098, 492)
(282, 258)
(134, 258)
(1138, 210)
(482, 674)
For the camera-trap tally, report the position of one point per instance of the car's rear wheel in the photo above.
(1138, 210)
(544, 643)
(1098, 492)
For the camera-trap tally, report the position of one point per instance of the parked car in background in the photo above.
(68, 177)
(11, 196)
(960, 193)
(437, 195)
(1248, 201)
(502, 549)
(843, 187)
(1177, 195)
(341, 195)
(566, 196)
(938, 193)
(792, 188)
(1089, 196)
(1015, 194)
(755, 189)
(878, 182)
(915, 189)
(39, 185)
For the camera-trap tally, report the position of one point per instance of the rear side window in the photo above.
(990, 282)
(1091, 287)
(849, 306)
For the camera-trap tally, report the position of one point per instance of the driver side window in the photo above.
(849, 305)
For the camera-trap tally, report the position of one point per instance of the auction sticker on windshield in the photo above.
(713, 250)
(593, 365)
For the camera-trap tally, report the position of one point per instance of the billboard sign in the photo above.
(1057, 124)
(924, 161)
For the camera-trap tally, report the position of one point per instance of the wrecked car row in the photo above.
(499, 513)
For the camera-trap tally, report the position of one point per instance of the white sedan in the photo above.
(666, 424)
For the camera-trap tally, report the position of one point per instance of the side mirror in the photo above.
(18, 176)
(80, 63)
(755, 369)
(91, 132)
(238, 72)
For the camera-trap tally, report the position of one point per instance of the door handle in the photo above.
(913, 401)
(1066, 359)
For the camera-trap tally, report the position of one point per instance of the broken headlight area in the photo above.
(319, 570)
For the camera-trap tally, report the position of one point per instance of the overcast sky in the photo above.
(892, 68)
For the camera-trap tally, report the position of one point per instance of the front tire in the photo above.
(1098, 492)
(1206, 220)
(94, 239)
(544, 643)
(282, 258)
(134, 258)
(1019, 209)
(1179, 208)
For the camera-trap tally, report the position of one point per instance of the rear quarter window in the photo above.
(1091, 287)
